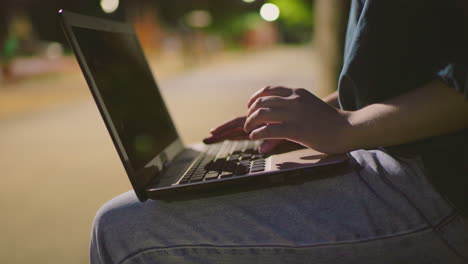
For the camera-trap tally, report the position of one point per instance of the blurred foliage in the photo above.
(10, 47)
(234, 25)
(295, 21)
(295, 13)
(231, 19)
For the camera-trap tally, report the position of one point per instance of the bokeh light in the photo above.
(109, 6)
(199, 19)
(270, 12)
(248, 1)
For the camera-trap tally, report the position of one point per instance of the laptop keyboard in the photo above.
(224, 160)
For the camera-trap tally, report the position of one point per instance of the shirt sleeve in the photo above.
(455, 72)
(456, 76)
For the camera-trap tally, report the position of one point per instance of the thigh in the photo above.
(347, 216)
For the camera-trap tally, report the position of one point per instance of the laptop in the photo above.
(157, 163)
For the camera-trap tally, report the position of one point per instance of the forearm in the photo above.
(431, 110)
(332, 99)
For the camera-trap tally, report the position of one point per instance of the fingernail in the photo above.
(263, 148)
(208, 140)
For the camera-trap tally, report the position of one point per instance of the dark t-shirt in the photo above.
(399, 45)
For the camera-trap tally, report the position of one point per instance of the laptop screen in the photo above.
(129, 92)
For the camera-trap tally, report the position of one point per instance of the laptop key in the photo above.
(211, 175)
(197, 178)
(184, 180)
(246, 156)
(229, 167)
(245, 162)
(234, 157)
(217, 165)
(242, 170)
(198, 175)
(257, 170)
(225, 174)
(259, 161)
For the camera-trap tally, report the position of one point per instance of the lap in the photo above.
(382, 203)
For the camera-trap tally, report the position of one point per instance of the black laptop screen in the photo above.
(129, 92)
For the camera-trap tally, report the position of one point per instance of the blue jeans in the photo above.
(382, 211)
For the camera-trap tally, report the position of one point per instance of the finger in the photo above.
(228, 135)
(271, 131)
(267, 102)
(278, 90)
(229, 125)
(269, 145)
(212, 140)
(264, 116)
(243, 137)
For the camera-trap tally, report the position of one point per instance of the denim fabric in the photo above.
(383, 211)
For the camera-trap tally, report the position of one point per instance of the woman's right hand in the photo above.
(234, 130)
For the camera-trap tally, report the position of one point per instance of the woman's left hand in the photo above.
(297, 115)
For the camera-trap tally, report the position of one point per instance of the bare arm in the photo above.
(332, 99)
(299, 116)
(430, 110)
(234, 128)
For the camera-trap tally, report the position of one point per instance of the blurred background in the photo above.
(58, 164)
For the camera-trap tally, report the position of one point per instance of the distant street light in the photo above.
(270, 12)
(109, 6)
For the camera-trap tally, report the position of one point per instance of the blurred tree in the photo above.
(295, 12)
(331, 21)
(4, 23)
(296, 20)
(230, 19)
(5, 40)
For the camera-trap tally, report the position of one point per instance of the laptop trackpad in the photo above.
(303, 158)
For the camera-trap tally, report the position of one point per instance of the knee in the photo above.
(111, 214)
(110, 223)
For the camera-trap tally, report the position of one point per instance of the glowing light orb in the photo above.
(270, 12)
(109, 6)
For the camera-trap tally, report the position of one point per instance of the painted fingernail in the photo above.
(264, 149)
(208, 140)
(261, 150)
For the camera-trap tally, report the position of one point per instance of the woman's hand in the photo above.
(279, 113)
(280, 110)
(299, 116)
(234, 130)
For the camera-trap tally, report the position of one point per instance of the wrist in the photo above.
(332, 99)
(365, 127)
(349, 139)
